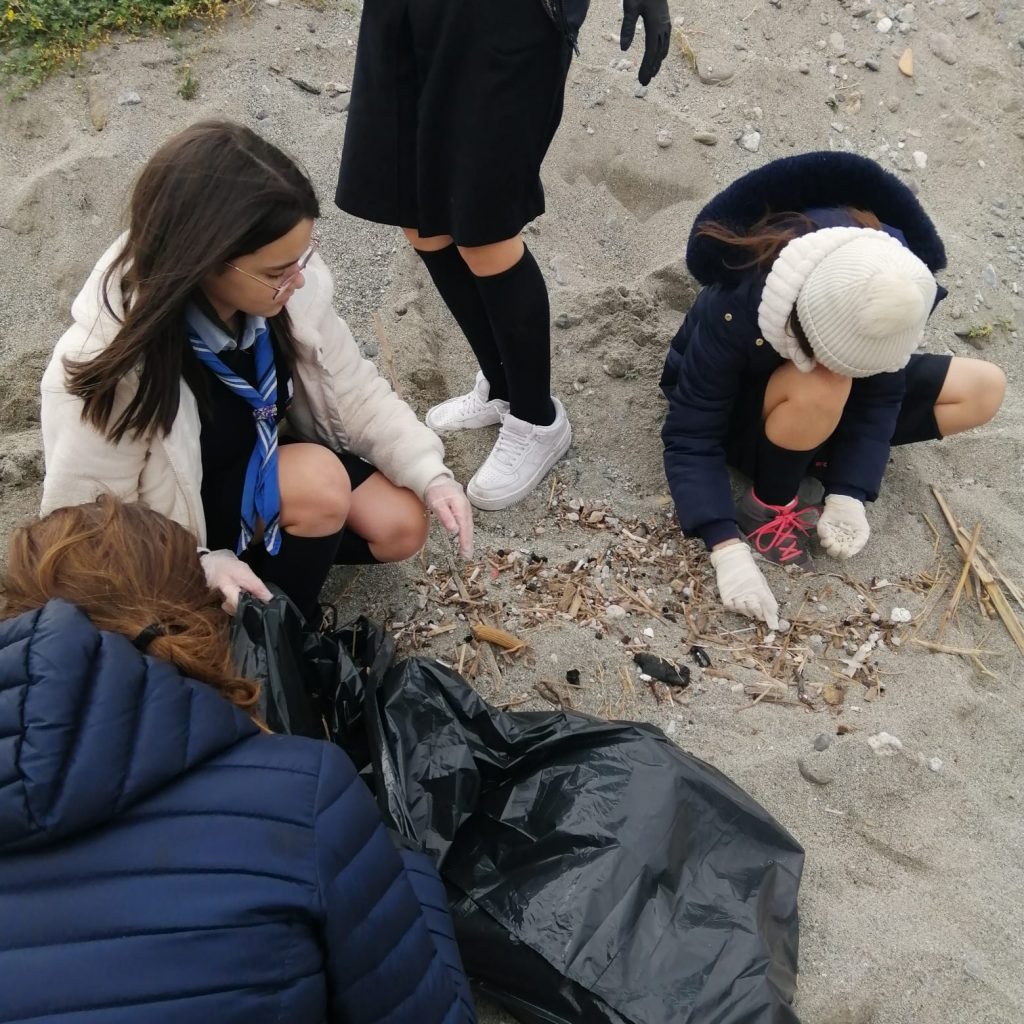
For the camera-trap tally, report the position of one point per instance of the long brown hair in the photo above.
(128, 567)
(759, 246)
(211, 194)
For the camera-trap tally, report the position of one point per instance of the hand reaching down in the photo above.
(742, 586)
(657, 33)
(447, 500)
(229, 575)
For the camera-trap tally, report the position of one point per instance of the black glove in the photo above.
(657, 33)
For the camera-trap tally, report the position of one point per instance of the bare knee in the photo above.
(316, 493)
(988, 391)
(407, 535)
(816, 391)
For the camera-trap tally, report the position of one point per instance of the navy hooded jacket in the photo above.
(163, 861)
(718, 353)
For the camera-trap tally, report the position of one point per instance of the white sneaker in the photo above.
(520, 458)
(466, 412)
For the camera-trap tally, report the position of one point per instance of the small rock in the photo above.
(935, 764)
(972, 12)
(884, 24)
(892, 103)
(272, 3)
(804, 69)
(872, 65)
(260, 114)
(99, 108)
(905, 15)
(335, 88)
(822, 741)
(816, 644)
(640, 92)
(751, 141)
(129, 99)
(837, 44)
(341, 103)
(615, 611)
(815, 772)
(649, 633)
(920, 159)
(305, 85)
(988, 276)
(716, 73)
(706, 138)
(597, 516)
(371, 349)
(885, 745)
(664, 138)
(566, 320)
(898, 615)
(943, 47)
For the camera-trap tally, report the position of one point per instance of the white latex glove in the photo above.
(843, 526)
(741, 585)
(226, 572)
(447, 500)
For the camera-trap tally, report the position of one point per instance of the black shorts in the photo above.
(926, 374)
(222, 504)
(454, 105)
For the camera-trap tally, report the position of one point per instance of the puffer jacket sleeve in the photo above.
(389, 956)
(859, 449)
(701, 382)
(378, 425)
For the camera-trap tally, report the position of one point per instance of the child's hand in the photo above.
(741, 584)
(843, 526)
(447, 500)
(229, 575)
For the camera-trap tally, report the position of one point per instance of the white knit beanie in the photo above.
(862, 299)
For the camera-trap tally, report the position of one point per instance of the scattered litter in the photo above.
(700, 656)
(884, 744)
(499, 637)
(857, 661)
(572, 677)
(657, 668)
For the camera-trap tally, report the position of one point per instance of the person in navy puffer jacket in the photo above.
(798, 359)
(162, 859)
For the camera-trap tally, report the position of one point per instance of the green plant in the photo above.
(979, 331)
(189, 88)
(39, 36)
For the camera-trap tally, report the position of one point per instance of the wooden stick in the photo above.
(964, 573)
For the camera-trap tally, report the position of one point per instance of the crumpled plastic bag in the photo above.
(597, 873)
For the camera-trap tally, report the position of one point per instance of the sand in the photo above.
(912, 906)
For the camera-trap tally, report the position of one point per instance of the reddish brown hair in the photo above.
(128, 567)
(760, 245)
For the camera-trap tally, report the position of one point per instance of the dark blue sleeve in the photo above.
(701, 389)
(389, 958)
(859, 449)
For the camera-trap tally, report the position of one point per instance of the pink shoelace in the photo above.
(780, 532)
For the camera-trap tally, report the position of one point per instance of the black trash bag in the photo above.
(311, 685)
(597, 874)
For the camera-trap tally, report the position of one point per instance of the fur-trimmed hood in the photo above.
(807, 181)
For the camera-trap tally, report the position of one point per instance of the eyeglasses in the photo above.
(289, 281)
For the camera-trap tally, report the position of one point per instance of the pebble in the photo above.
(819, 774)
(872, 65)
(898, 615)
(935, 764)
(816, 643)
(272, 3)
(884, 24)
(129, 98)
(714, 74)
(649, 633)
(371, 349)
(822, 741)
(706, 138)
(837, 44)
(920, 159)
(971, 12)
(892, 103)
(943, 47)
(884, 744)
(664, 138)
(804, 69)
(615, 611)
(260, 114)
(640, 92)
(751, 141)
(335, 88)
(988, 276)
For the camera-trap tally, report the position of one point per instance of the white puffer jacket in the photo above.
(340, 401)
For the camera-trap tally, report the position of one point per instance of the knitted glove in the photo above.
(447, 500)
(741, 585)
(657, 33)
(228, 574)
(843, 526)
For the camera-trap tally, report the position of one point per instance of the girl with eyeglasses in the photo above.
(207, 375)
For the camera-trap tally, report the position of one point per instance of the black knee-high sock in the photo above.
(779, 471)
(354, 550)
(455, 284)
(299, 568)
(517, 303)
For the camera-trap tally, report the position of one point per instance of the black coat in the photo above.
(718, 364)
